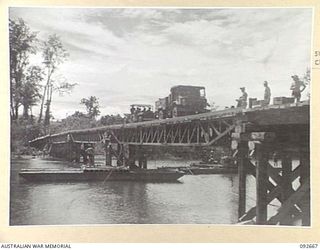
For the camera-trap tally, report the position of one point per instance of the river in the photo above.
(195, 199)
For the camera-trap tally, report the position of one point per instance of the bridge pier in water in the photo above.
(108, 151)
(126, 154)
(279, 180)
(135, 156)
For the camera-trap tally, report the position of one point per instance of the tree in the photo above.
(92, 106)
(54, 54)
(78, 120)
(22, 44)
(307, 77)
(30, 90)
(111, 120)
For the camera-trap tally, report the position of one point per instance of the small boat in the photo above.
(100, 174)
(199, 168)
(207, 165)
(208, 170)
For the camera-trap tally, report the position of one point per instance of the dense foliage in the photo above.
(22, 45)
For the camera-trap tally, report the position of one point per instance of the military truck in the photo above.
(140, 113)
(183, 100)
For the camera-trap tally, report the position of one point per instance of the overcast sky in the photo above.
(125, 56)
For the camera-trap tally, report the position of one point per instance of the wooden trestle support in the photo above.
(280, 180)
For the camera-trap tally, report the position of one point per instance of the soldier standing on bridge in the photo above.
(242, 101)
(296, 88)
(267, 93)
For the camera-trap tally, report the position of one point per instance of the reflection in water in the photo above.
(210, 199)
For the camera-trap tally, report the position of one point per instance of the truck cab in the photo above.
(182, 100)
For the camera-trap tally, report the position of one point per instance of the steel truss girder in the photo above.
(196, 133)
(201, 132)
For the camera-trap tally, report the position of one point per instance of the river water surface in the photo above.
(195, 199)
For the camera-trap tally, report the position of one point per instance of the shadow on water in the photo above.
(209, 199)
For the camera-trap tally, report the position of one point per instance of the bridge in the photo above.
(256, 136)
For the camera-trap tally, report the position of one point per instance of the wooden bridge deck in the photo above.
(270, 115)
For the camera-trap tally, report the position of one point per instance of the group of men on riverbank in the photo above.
(297, 87)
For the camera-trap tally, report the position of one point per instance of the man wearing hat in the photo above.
(267, 93)
(242, 101)
(296, 87)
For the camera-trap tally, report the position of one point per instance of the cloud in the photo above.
(124, 56)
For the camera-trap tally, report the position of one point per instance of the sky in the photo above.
(135, 55)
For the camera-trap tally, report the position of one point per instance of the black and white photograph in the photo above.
(160, 115)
